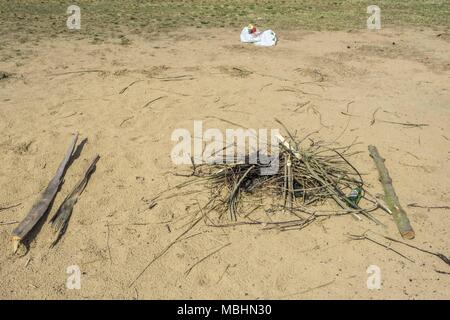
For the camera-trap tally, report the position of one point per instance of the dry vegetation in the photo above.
(101, 19)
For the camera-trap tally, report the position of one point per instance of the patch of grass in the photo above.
(99, 17)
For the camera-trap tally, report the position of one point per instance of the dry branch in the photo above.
(41, 206)
(61, 218)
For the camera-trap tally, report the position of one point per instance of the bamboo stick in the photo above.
(391, 199)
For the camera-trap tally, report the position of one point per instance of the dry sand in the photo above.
(113, 235)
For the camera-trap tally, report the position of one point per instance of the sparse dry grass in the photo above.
(33, 19)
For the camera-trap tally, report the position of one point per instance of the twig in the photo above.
(10, 207)
(415, 205)
(265, 86)
(424, 168)
(346, 126)
(74, 72)
(234, 193)
(175, 78)
(226, 121)
(288, 89)
(348, 104)
(164, 251)
(413, 155)
(364, 237)
(307, 290)
(442, 272)
(8, 222)
(107, 244)
(301, 105)
(228, 105)
(125, 120)
(223, 273)
(317, 112)
(68, 116)
(204, 258)
(373, 116)
(437, 254)
(350, 115)
(127, 87)
(151, 101)
(406, 124)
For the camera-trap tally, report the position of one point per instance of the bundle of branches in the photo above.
(308, 176)
(314, 179)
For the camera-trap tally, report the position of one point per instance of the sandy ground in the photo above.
(405, 74)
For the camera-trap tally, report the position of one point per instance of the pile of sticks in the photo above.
(312, 176)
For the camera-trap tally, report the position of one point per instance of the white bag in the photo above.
(266, 39)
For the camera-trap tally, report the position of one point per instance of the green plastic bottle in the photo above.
(355, 195)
